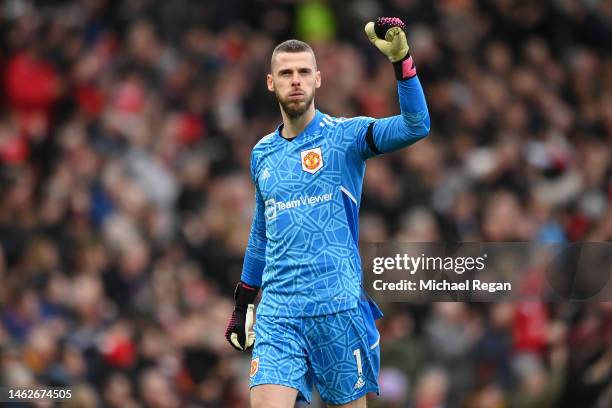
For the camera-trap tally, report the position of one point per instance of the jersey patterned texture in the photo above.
(303, 246)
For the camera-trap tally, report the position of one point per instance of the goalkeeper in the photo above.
(315, 324)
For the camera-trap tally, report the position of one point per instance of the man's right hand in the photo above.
(239, 332)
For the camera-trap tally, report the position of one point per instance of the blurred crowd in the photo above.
(125, 197)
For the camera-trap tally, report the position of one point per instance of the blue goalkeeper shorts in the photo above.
(339, 353)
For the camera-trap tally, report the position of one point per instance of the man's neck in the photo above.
(293, 126)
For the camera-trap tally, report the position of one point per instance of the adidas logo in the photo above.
(265, 174)
(360, 383)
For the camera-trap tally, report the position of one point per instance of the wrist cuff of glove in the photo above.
(245, 294)
(404, 69)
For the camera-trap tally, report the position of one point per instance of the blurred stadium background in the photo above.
(125, 199)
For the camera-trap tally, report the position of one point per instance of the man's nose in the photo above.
(295, 79)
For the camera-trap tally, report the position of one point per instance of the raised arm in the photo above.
(392, 133)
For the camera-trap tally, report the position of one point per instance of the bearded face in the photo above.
(293, 80)
(296, 103)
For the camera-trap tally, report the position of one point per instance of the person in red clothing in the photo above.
(32, 88)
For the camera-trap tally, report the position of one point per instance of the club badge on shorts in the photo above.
(312, 160)
(254, 366)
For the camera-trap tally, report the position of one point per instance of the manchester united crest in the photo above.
(312, 160)
(254, 366)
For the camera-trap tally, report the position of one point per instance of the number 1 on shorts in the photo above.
(357, 354)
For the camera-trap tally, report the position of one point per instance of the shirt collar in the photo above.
(313, 124)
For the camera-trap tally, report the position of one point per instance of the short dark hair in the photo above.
(291, 46)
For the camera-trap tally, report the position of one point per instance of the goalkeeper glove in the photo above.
(388, 34)
(239, 331)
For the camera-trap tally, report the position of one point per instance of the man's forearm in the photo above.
(252, 269)
(395, 132)
(413, 107)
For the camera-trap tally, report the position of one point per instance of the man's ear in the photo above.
(270, 83)
(318, 79)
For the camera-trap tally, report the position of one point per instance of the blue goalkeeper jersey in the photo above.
(303, 247)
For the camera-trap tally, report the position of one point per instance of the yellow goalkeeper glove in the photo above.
(388, 34)
(240, 332)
